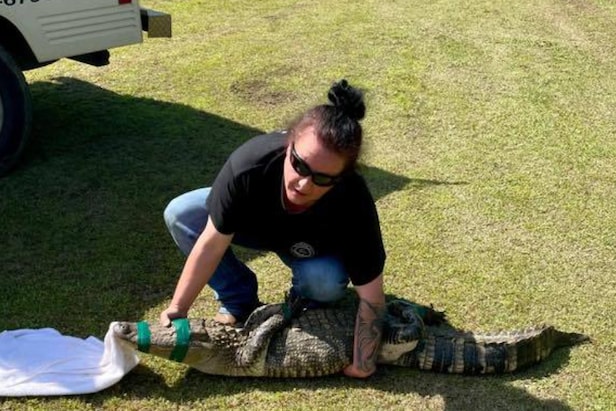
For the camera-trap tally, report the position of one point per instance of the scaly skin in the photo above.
(319, 342)
(452, 351)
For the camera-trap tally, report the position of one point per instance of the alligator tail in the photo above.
(457, 352)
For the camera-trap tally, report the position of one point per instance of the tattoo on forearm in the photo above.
(368, 331)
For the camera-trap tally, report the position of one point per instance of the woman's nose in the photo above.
(304, 183)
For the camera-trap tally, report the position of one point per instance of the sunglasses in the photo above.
(304, 170)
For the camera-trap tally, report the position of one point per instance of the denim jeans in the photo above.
(321, 279)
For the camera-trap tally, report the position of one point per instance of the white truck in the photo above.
(34, 33)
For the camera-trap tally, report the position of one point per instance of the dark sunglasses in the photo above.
(304, 170)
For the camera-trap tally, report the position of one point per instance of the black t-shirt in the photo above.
(246, 199)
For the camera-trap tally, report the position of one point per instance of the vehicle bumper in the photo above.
(156, 23)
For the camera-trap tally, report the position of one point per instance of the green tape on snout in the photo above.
(143, 336)
(182, 338)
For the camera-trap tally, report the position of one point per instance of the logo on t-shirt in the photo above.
(302, 250)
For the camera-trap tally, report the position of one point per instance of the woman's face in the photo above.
(306, 155)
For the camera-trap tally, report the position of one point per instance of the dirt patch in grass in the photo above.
(258, 91)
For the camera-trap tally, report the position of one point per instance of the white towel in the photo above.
(44, 362)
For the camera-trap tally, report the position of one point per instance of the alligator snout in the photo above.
(125, 330)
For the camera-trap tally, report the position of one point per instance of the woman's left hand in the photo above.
(352, 371)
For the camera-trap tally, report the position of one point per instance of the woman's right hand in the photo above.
(171, 313)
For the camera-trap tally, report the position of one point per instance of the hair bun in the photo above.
(348, 99)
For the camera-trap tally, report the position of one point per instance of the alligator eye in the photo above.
(125, 328)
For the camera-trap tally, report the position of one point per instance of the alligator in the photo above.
(288, 340)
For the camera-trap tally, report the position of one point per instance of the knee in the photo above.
(170, 214)
(173, 213)
(321, 279)
(187, 210)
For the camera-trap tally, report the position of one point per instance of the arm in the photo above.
(198, 269)
(368, 328)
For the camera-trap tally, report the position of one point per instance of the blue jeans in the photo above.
(322, 279)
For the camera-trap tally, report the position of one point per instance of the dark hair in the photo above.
(337, 124)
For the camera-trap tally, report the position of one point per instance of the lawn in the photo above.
(490, 152)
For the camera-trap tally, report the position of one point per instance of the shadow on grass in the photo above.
(83, 238)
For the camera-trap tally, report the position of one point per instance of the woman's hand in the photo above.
(171, 313)
(352, 371)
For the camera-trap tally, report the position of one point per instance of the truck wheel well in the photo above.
(14, 43)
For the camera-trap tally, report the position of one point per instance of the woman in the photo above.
(296, 193)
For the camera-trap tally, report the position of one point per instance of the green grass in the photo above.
(490, 150)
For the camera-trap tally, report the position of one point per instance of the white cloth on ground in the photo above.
(42, 361)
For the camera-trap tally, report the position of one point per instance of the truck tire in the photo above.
(15, 112)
